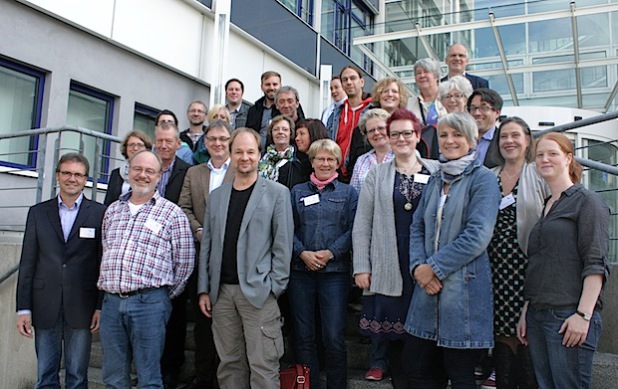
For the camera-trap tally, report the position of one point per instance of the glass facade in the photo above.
(539, 40)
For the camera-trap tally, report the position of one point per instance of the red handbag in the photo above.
(295, 377)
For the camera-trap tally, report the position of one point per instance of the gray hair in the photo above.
(463, 123)
(157, 157)
(374, 113)
(327, 145)
(459, 83)
(219, 124)
(167, 126)
(431, 65)
(286, 89)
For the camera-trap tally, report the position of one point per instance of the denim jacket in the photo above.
(324, 225)
(461, 315)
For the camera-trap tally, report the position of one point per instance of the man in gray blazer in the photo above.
(244, 266)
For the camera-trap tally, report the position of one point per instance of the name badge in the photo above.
(86, 232)
(421, 178)
(310, 200)
(507, 200)
(153, 226)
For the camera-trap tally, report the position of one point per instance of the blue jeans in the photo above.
(379, 352)
(555, 365)
(134, 328)
(48, 343)
(330, 290)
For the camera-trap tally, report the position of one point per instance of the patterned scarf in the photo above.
(272, 160)
(322, 184)
(451, 169)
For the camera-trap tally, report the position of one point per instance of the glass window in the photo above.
(593, 30)
(513, 39)
(93, 110)
(302, 8)
(550, 35)
(21, 99)
(144, 119)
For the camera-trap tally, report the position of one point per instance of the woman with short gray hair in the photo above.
(454, 93)
(426, 106)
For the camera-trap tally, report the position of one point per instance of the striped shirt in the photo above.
(149, 249)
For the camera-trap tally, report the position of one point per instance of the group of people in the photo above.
(463, 233)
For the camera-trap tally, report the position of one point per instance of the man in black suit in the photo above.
(457, 60)
(167, 142)
(57, 284)
(485, 105)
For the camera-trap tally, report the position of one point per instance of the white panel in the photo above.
(93, 15)
(168, 30)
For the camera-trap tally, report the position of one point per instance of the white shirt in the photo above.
(217, 175)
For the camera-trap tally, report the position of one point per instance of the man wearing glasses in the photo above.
(485, 105)
(56, 287)
(148, 255)
(196, 114)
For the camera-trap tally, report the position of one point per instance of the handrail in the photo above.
(579, 123)
(50, 130)
(9, 273)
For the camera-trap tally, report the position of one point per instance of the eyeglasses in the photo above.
(456, 96)
(221, 139)
(376, 130)
(79, 176)
(165, 121)
(407, 134)
(330, 160)
(482, 108)
(197, 111)
(136, 146)
(139, 170)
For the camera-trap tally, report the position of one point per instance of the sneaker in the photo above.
(490, 382)
(374, 374)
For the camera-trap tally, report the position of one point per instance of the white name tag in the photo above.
(153, 226)
(507, 200)
(421, 178)
(86, 232)
(310, 200)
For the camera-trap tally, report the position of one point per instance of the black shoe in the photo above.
(196, 383)
(170, 381)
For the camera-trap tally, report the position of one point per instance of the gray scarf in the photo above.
(451, 169)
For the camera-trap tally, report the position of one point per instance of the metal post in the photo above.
(221, 31)
(40, 166)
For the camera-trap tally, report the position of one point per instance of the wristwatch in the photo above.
(585, 316)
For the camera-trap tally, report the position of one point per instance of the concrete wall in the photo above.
(17, 357)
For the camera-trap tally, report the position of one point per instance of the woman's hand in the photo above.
(521, 325)
(575, 330)
(427, 279)
(312, 261)
(363, 280)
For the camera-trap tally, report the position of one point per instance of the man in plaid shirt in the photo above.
(148, 255)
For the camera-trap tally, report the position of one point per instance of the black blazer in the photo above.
(114, 187)
(57, 277)
(174, 185)
(476, 81)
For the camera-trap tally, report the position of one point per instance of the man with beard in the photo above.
(196, 114)
(148, 255)
(234, 90)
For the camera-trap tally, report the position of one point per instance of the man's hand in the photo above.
(24, 325)
(198, 236)
(204, 304)
(95, 323)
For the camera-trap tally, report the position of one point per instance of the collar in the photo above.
(77, 204)
(155, 197)
(489, 135)
(225, 165)
(171, 166)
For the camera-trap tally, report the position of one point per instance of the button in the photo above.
(64, 265)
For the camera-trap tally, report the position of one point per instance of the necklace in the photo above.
(407, 170)
(408, 190)
(510, 176)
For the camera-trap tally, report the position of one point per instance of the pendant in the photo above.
(408, 207)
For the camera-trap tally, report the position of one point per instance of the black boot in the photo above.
(525, 375)
(504, 360)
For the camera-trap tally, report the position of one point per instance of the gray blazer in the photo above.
(374, 238)
(264, 242)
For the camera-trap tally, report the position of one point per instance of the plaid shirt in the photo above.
(150, 249)
(364, 163)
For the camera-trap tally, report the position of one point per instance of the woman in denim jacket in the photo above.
(323, 210)
(451, 313)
